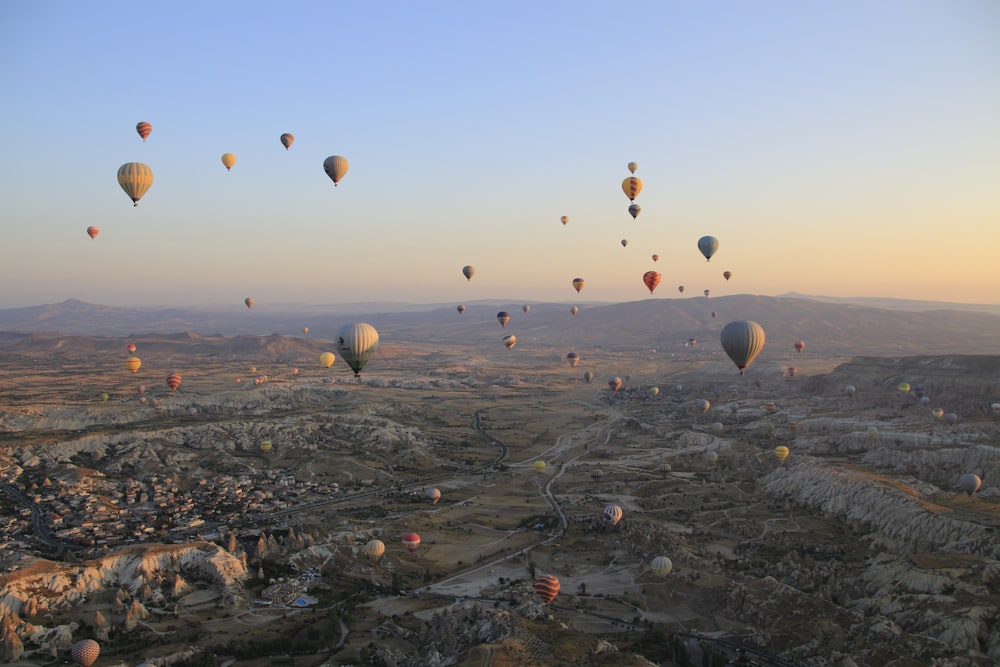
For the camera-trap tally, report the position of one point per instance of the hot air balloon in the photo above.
(903, 387)
(144, 129)
(792, 370)
(509, 341)
(140, 389)
(503, 317)
(305, 330)
(131, 348)
(708, 245)
(654, 391)
(656, 258)
(800, 345)
(526, 308)
(578, 284)
(701, 406)
(632, 186)
(133, 364)
(632, 166)
(596, 474)
(707, 292)
(335, 167)
(564, 219)
(327, 359)
(574, 310)
(588, 377)
(624, 243)
(434, 495)
(615, 383)
(295, 371)
(374, 550)
(995, 407)
(357, 343)
(950, 418)
(651, 279)
(173, 381)
(228, 160)
(664, 468)
(919, 392)
(539, 466)
(249, 301)
(266, 445)
(938, 413)
(573, 358)
(713, 314)
(105, 397)
(634, 210)
(411, 541)
(135, 179)
(85, 652)
(727, 274)
(468, 272)
(711, 457)
(92, 231)
(546, 588)
(286, 140)
(661, 566)
(461, 308)
(742, 340)
(770, 406)
(969, 483)
(850, 389)
(781, 452)
(680, 288)
(613, 514)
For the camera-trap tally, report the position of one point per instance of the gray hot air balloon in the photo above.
(969, 483)
(357, 343)
(742, 340)
(708, 245)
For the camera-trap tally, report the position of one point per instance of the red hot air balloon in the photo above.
(92, 231)
(800, 345)
(131, 348)
(651, 279)
(144, 129)
(173, 381)
(546, 588)
(411, 541)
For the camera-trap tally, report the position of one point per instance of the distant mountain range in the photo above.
(829, 327)
(899, 304)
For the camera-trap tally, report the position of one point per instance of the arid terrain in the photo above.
(156, 522)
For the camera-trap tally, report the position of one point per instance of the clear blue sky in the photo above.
(841, 148)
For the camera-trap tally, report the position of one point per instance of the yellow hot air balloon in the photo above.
(228, 159)
(287, 139)
(327, 359)
(539, 466)
(335, 167)
(133, 363)
(135, 179)
(632, 186)
(578, 284)
(305, 330)
(265, 446)
(781, 452)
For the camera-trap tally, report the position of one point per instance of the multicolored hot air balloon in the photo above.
(708, 245)
(357, 343)
(460, 308)
(135, 179)
(133, 364)
(573, 359)
(173, 381)
(468, 272)
(742, 340)
(85, 652)
(509, 341)
(615, 383)
(503, 317)
(661, 566)
(92, 231)
(434, 495)
(374, 550)
(411, 541)
(249, 301)
(651, 279)
(613, 514)
(327, 359)
(144, 129)
(228, 160)
(632, 186)
(335, 167)
(546, 588)
(578, 284)
(287, 139)
(781, 452)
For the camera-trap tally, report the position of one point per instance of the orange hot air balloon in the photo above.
(800, 345)
(286, 140)
(578, 284)
(249, 301)
(411, 541)
(133, 364)
(228, 159)
(651, 280)
(173, 381)
(546, 588)
(144, 129)
(92, 231)
(85, 652)
(632, 186)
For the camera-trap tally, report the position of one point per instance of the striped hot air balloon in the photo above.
(578, 284)
(613, 514)
(547, 588)
(661, 566)
(135, 179)
(651, 279)
(173, 381)
(133, 364)
(144, 129)
(632, 186)
(374, 550)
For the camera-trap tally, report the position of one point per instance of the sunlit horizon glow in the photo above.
(842, 149)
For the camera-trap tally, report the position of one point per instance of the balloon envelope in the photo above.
(727, 274)
(92, 231)
(135, 179)
(588, 377)
(173, 381)
(661, 566)
(374, 550)
(632, 166)
(615, 383)
(357, 343)
(578, 284)
(969, 483)
(133, 363)
(782, 452)
(327, 359)
(468, 272)
(461, 309)
(546, 588)
(228, 159)
(564, 219)
(286, 140)
(574, 310)
(573, 358)
(539, 466)
(509, 341)
(634, 210)
(85, 652)
(434, 495)
(651, 279)
(503, 317)
(708, 245)
(335, 167)
(613, 514)
(800, 345)
(144, 129)
(742, 340)
(411, 541)
(632, 186)
(249, 301)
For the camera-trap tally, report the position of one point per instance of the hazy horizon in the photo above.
(847, 150)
